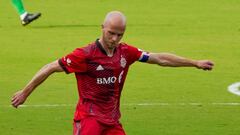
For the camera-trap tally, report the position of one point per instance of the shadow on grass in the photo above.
(96, 26)
(65, 26)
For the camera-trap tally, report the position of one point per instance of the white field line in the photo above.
(132, 104)
(182, 104)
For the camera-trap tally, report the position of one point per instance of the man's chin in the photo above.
(112, 46)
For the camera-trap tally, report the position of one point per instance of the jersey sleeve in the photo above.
(74, 62)
(137, 54)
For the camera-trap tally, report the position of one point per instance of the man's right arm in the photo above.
(20, 96)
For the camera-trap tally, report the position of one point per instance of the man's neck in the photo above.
(109, 51)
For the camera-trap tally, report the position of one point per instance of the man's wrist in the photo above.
(195, 63)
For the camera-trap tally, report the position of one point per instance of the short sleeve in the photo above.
(74, 62)
(137, 54)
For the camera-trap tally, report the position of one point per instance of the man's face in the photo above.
(112, 34)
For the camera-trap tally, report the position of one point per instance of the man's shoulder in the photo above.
(90, 46)
(86, 49)
(124, 45)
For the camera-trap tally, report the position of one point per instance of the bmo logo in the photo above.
(108, 80)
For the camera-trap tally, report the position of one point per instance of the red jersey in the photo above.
(100, 79)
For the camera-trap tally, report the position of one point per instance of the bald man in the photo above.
(100, 69)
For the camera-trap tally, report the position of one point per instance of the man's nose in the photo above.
(114, 37)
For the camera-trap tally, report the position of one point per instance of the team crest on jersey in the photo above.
(123, 62)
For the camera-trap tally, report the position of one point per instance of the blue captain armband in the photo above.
(144, 57)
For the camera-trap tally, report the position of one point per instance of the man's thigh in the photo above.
(115, 130)
(87, 126)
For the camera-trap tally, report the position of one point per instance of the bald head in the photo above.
(115, 18)
(113, 28)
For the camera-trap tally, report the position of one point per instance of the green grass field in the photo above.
(182, 101)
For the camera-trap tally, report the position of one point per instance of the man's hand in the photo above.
(18, 98)
(204, 64)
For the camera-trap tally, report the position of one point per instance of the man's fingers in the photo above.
(13, 98)
(16, 99)
(15, 103)
(210, 63)
(207, 67)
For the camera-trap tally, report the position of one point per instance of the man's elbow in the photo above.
(52, 67)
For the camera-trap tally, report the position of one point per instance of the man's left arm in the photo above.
(172, 60)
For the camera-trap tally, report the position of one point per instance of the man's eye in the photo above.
(120, 35)
(111, 33)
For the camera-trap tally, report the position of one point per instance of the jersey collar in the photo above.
(99, 45)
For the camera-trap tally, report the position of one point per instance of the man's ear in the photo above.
(102, 26)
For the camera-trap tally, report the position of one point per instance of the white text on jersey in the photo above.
(108, 80)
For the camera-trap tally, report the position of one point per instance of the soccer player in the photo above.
(100, 69)
(25, 17)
